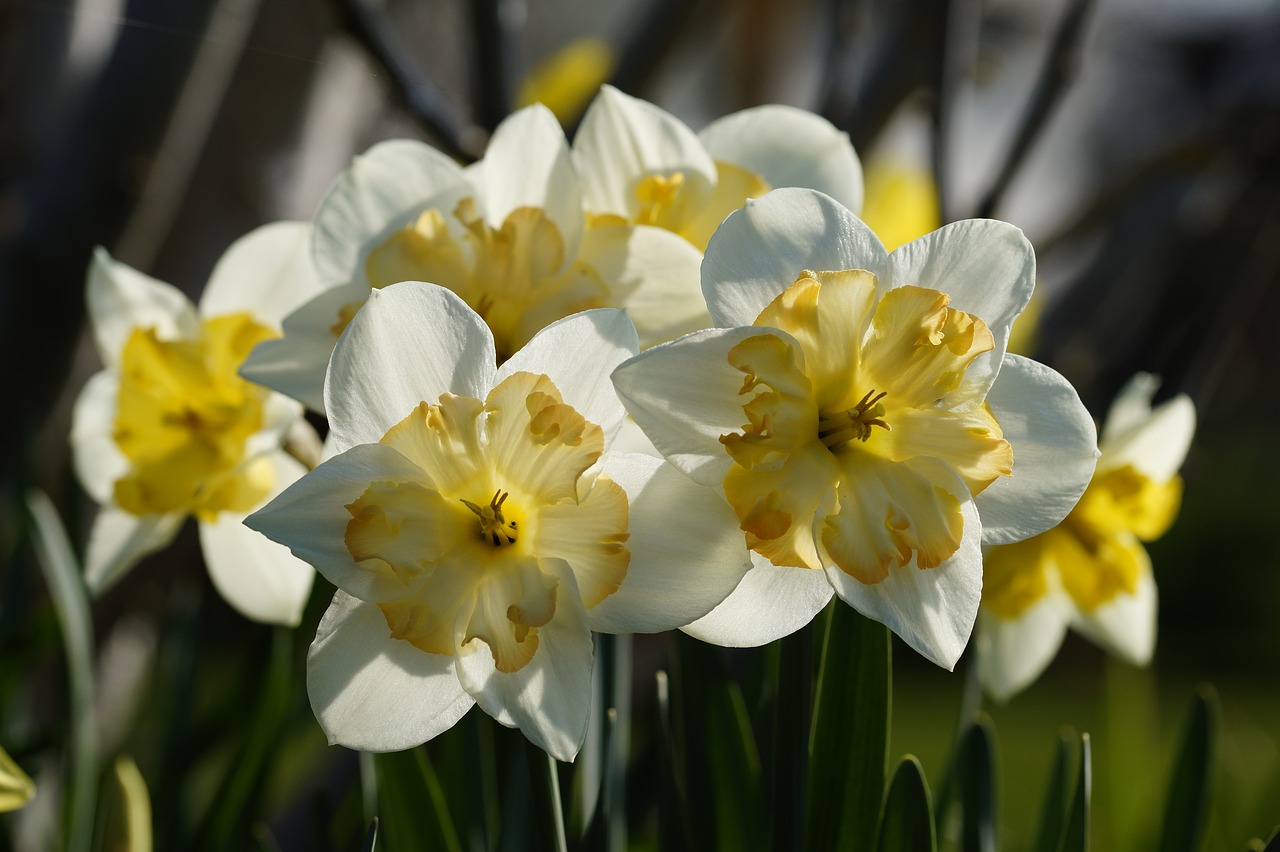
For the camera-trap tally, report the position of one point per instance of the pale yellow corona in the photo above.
(856, 418)
(513, 276)
(498, 494)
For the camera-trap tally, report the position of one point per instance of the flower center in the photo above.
(515, 276)
(854, 424)
(184, 417)
(493, 526)
(659, 196)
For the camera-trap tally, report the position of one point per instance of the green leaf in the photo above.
(675, 830)
(721, 759)
(1076, 838)
(1186, 813)
(1053, 813)
(370, 837)
(849, 739)
(71, 600)
(1273, 845)
(412, 810)
(906, 825)
(548, 810)
(975, 777)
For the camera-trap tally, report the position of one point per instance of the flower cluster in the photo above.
(833, 419)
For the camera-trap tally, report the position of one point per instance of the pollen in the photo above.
(493, 526)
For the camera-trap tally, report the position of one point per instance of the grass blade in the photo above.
(1053, 813)
(906, 824)
(1186, 813)
(412, 813)
(849, 740)
(975, 776)
(71, 600)
(1076, 838)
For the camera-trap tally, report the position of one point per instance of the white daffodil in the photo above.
(642, 165)
(1091, 572)
(861, 415)
(506, 235)
(479, 529)
(169, 429)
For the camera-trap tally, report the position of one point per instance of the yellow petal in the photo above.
(888, 512)
(776, 505)
(1015, 576)
(591, 537)
(538, 445)
(921, 348)
(510, 605)
(404, 527)
(444, 440)
(734, 185)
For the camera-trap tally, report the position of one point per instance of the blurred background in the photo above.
(1136, 142)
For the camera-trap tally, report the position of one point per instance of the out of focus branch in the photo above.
(650, 43)
(415, 91)
(1058, 71)
(491, 56)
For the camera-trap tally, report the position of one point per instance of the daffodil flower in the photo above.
(478, 527)
(506, 235)
(860, 414)
(642, 165)
(16, 787)
(1091, 572)
(169, 430)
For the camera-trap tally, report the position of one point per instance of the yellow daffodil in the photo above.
(169, 430)
(506, 235)
(861, 416)
(1091, 572)
(478, 526)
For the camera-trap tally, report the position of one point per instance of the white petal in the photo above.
(631, 439)
(769, 603)
(118, 540)
(684, 395)
(257, 576)
(98, 460)
(1012, 652)
(120, 299)
(789, 147)
(1054, 452)
(549, 699)
(623, 139)
(932, 610)
(382, 189)
(687, 552)
(1154, 441)
(295, 364)
(578, 353)
(1126, 625)
(375, 693)
(528, 164)
(989, 270)
(267, 272)
(410, 343)
(654, 274)
(310, 517)
(760, 250)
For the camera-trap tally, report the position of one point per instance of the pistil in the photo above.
(836, 430)
(492, 524)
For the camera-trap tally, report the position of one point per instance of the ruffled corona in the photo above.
(184, 418)
(513, 276)
(498, 495)
(853, 419)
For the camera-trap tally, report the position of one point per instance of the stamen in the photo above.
(836, 430)
(492, 525)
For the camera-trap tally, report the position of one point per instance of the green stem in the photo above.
(791, 739)
(549, 816)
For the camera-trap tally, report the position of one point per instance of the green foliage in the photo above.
(1190, 786)
(411, 805)
(975, 777)
(849, 740)
(1053, 813)
(906, 824)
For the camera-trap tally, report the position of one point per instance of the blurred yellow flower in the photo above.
(567, 80)
(1091, 572)
(901, 201)
(16, 789)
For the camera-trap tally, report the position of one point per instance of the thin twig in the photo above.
(417, 93)
(651, 41)
(491, 52)
(1059, 69)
